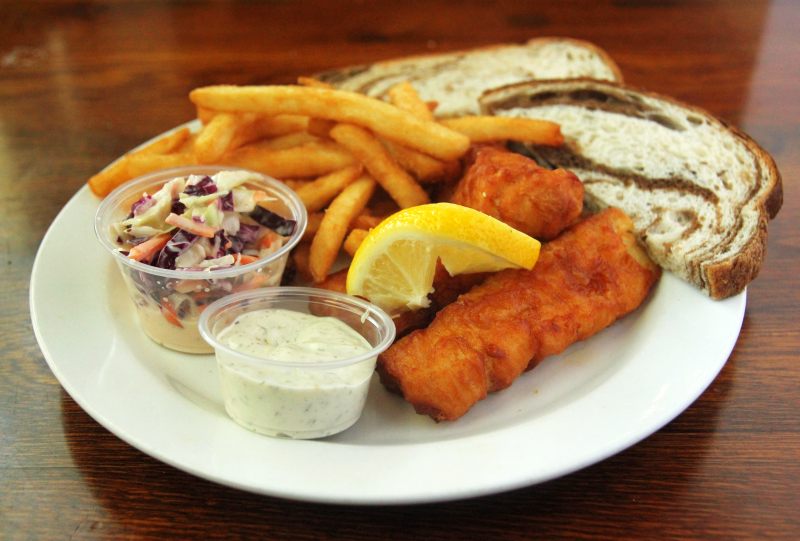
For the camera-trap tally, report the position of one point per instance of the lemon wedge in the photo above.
(394, 265)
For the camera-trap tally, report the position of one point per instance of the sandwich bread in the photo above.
(455, 80)
(699, 191)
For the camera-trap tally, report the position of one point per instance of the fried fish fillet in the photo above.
(517, 191)
(587, 278)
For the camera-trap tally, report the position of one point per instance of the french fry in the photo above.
(314, 219)
(270, 125)
(141, 164)
(404, 96)
(119, 172)
(104, 182)
(486, 129)
(365, 220)
(380, 165)
(225, 132)
(166, 144)
(260, 126)
(300, 259)
(187, 147)
(320, 127)
(308, 160)
(204, 115)
(310, 81)
(424, 168)
(354, 240)
(215, 139)
(288, 140)
(336, 281)
(318, 193)
(328, 240)
(339, 105)
(295, 183)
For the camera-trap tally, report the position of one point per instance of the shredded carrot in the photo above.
(169, 313)
(266, 240)
(245, 259)
(149, 248)
(197, 228)
(260, 195)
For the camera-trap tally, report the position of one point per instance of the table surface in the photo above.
(82, 82)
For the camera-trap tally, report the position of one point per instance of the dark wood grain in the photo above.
(81, 82)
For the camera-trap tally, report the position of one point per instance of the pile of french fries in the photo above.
(352, 159)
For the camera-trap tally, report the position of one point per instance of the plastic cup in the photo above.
(296, 398)
(168, 302)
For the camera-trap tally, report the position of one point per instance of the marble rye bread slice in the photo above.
(455, 80)
(699, 191)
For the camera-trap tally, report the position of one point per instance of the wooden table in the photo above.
(81, 82)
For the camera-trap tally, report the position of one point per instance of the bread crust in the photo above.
(424, 68)
(340, 74)
(730, 276)
(720, 279)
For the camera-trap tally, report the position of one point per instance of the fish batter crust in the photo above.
(586, 279)
(516, 190)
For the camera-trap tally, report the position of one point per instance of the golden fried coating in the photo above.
(515, 190)
(586, 279)
(447, 288)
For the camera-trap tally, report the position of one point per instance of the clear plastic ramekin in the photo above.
(168, 302)
(296, 398)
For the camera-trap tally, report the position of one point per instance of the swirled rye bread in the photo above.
(699, 191)
(455, 80)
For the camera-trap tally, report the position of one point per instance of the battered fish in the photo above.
(515, 190)
(590, 276)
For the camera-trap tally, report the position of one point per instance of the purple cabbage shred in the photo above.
(136, 240)
(218, 244)
(248, 233)
(236, 245)
(144, 203)
(226, 201)
(177, 207)
(206, 186)
(277, 223)
(178, 244)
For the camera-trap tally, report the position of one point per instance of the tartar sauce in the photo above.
(307, 400)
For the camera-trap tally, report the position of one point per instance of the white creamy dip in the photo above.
(306, 400)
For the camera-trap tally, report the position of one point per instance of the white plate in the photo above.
(598, 398)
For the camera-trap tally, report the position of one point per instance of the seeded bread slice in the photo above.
(456, 80)
(699, 191)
